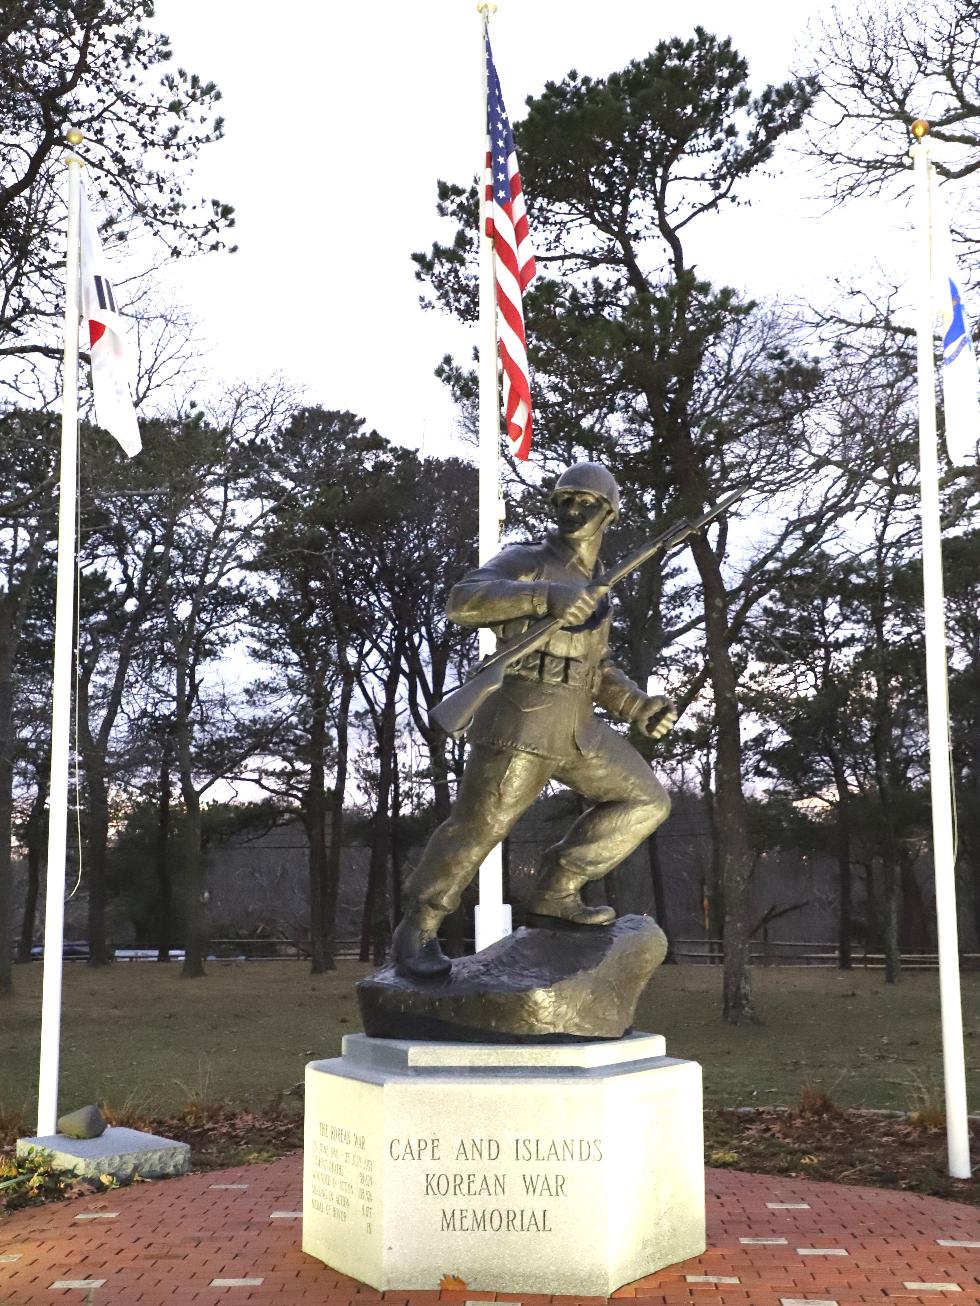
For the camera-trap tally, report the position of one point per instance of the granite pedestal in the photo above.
(563, 1168)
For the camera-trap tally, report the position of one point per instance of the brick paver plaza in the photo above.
(234, 1236)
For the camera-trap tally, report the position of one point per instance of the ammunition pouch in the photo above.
(552, 670)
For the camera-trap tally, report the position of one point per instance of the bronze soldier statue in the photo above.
(540, 726)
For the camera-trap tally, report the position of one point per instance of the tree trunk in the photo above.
(874, 933)
(97, 831)
(315, 824)
(892, 875)
(375, 929)
(192, 876)
(331, 885)
(439, 770)
(890, 899)
(165, 912)
(881, 735)
(712, 892)
(34, 836)
(367, 914)
(192, 870)
(28, 921)
(8, 641)
(6, 871)
(14, 599)
(659, 896)
(731, 817)
(396, 844)
(914, 934)
(843, 862)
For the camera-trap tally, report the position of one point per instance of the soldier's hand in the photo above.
(574, 603)
(656, 716)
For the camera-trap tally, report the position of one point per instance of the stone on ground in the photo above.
(86, 1122)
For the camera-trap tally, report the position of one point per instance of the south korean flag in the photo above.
(108, 341)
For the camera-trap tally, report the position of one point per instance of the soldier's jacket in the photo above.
(545, 703)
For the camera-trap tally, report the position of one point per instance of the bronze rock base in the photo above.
(543, 985)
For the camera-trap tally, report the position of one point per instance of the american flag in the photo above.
(513, 262)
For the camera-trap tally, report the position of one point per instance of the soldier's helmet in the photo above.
(593, 479)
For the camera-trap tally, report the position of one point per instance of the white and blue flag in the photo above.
(113, 364)
(961, 399)
(961, 395)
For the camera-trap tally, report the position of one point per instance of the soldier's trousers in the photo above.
(498, 786)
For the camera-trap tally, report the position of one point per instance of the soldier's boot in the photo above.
(560, 898)
(415, 947)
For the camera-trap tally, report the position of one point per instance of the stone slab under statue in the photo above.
(535, 985)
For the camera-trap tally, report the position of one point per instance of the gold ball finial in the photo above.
(74, 137)
(920, 128)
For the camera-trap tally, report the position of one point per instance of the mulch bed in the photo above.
(220, 1138)
(819, 1140)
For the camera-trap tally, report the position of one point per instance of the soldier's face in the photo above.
(580, 515)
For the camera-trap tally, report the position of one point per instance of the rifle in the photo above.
(455, 712)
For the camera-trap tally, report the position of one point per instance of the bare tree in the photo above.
(27, 523)
(90, 64)
(882, 66)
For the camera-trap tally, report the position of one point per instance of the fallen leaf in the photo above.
(452, 1283)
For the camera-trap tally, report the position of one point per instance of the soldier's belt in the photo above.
(552, 670)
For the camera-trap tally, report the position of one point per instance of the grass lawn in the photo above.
(138, 1037)
(862, 1041)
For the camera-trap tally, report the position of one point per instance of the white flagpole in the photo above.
(54, 913)
(951, 1016)
(493, 918)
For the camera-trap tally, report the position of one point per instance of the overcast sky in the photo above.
(340, 118)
